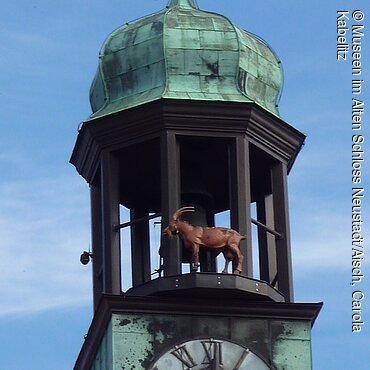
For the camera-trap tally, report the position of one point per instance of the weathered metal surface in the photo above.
(291, 345)
(183, 3)
(104, 357)
(136, 341)
(260, 75)
(131, 66)
(182, 52)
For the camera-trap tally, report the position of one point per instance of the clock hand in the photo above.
(216, 362)
(241, 359)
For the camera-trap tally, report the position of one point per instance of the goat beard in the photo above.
(169, 233)
(172, 234)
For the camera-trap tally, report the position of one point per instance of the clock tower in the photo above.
(185, 115)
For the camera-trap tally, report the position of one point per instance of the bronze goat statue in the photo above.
(223, 239)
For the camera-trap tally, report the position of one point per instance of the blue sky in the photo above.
(49, 52)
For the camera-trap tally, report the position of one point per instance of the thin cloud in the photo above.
(33, 40)
(44, 228)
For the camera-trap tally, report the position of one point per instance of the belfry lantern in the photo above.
(185, 125)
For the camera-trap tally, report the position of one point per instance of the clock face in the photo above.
(209, 354)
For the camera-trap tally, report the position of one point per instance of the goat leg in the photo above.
(237, 264)
(225, 270)
(195, 258)
(194, 267)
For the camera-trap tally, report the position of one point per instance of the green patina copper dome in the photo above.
(182, 52)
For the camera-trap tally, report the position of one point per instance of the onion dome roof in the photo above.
(183, 52)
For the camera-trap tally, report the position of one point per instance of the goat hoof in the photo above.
(194, 268)
(237, 272)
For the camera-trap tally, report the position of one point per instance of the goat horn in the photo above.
(178, 213)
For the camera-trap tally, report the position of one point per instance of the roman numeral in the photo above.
(182, 354)
(213, 350)
(241, 360)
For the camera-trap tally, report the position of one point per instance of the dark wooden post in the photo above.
(267, 241)
(170, 202)
(110, 218)
(140, 248)
(281, 219)
(239, 193)
(96, 240)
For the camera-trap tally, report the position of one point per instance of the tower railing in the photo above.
(158, 270)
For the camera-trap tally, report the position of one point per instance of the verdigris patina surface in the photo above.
(183, 52)
(134, 342)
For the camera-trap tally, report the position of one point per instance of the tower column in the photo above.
(96, 240)
(110, 216)
(267, 241)
(281, 220)
(140, 248)
(170, 201)
(239, 194)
